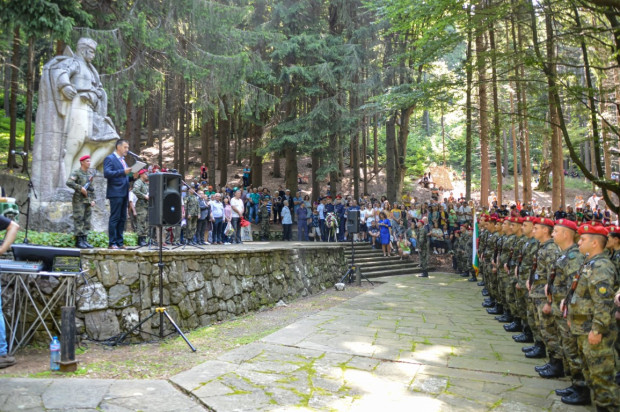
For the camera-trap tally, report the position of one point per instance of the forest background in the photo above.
(496, 89)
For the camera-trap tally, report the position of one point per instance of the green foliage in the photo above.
(4, 135)
(97, 239)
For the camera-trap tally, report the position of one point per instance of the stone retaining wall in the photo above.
(199, 287)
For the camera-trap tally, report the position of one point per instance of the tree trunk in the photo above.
(316, 186)
(355, 154)
(29, 100)
(212, 152)
(390, 157)
(13, 103)
(496, 129)
(290, 169)
(468, 90)
(365, 155)
(515, 161)
(181, 130)
(485, 178)
(276, 165)
(257, 160)
(375, 142)
(223, 132)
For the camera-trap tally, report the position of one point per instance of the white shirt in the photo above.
(236, 204)
(217, 209)
(321, 209)
(133, 198)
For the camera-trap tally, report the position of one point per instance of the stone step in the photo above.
(390, 272)
(388, 266)
(372, 259)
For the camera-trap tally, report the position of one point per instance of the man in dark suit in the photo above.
(116, 171)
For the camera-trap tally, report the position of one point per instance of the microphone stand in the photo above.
(30, 190)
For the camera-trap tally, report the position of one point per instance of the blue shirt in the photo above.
(286, 216)
(302, 215)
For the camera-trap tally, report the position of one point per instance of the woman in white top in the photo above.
(237, 212)
(217, 217)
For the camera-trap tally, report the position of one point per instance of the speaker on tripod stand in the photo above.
(165, 209)
(353, 226)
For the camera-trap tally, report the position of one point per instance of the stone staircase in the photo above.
(373, 264)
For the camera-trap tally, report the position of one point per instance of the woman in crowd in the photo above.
(404, 247)
(287, 221)
(437, 238)
(217, 218)
(396, 215)
(227, 219)
(385, 228)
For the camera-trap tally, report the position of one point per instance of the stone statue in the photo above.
(71, 121)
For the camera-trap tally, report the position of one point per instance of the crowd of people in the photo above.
(554, 277)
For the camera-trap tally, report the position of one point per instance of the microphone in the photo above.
(134, 155)
(19, 153)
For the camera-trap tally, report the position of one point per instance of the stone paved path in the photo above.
(409, 344)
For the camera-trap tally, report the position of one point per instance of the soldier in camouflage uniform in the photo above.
(565, 268)
(192, 211)
(423, 244)
(497, 309)
(483, 241)
(263, 215)
(502, 274)
(590, 317)
(487, 267)
(511, 280)
(83, 201)
(141, 190)
(456, 250)
(525, 306)
(613, 244)
(468, 248)
(547, 255)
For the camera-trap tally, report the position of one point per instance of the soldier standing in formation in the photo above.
(192, 211)
(423, 245)
(550, 271)
(613, 244)
(141, 190)
(83, 201)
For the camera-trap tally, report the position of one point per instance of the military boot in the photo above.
(580, 396)
(485, 292)
(542, 367)
(79, 242)
(142, 241)
(566, 391)
(423, 275)
(481, 283)
(525, 337)
(488, 303)
(515, 326)
(85, 239)
(538, 352)
(555, 369)
(506, 317)
(498, 309)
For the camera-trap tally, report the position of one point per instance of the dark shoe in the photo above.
(488, 304)
(6, 361)
(555, 370)
(580, 396)
(542, 367)
(85, 241)
(505, 318)
(523, 338)
(566, 391)
(515, 326)
(464, 275)
(497, 310)
(485, 292)
(481, 283)
(423, 275)
(472, 279)
(526, 349)
(539, 352)
(142, 241)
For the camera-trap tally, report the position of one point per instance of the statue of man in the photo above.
(81, 102)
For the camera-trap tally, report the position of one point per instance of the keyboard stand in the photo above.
(22, 298)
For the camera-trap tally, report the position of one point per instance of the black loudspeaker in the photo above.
(353, 221)
(165, 202)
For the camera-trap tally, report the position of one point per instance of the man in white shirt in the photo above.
(237, 211)
(321, 209)
(217, 217)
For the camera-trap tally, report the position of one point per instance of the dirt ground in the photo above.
(160, 360)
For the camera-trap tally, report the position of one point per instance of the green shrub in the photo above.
(97, 239)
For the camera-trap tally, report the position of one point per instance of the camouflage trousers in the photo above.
(509, 294)
(548, 329)
(490, 279)
(520, 304)
(190, 229)
(142, 226)
(81, 218)
(501, 286)
(599, 368)
(568, 347)
(532, 319)
(424, 258)
(264, 229)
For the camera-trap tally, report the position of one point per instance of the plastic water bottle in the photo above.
(55, 354)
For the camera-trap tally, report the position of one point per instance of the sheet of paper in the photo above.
(137, 167)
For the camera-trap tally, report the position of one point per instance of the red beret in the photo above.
(544, 221)
(614, 229)
(515, 219)
(567, 223)
(141, 172)
(84, 158)
(530, 219)
(597, 229)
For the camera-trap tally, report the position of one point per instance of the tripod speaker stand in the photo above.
(353, 272)
(164, 209)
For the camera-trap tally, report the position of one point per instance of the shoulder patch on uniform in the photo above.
(572, 254)
(602, 290)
